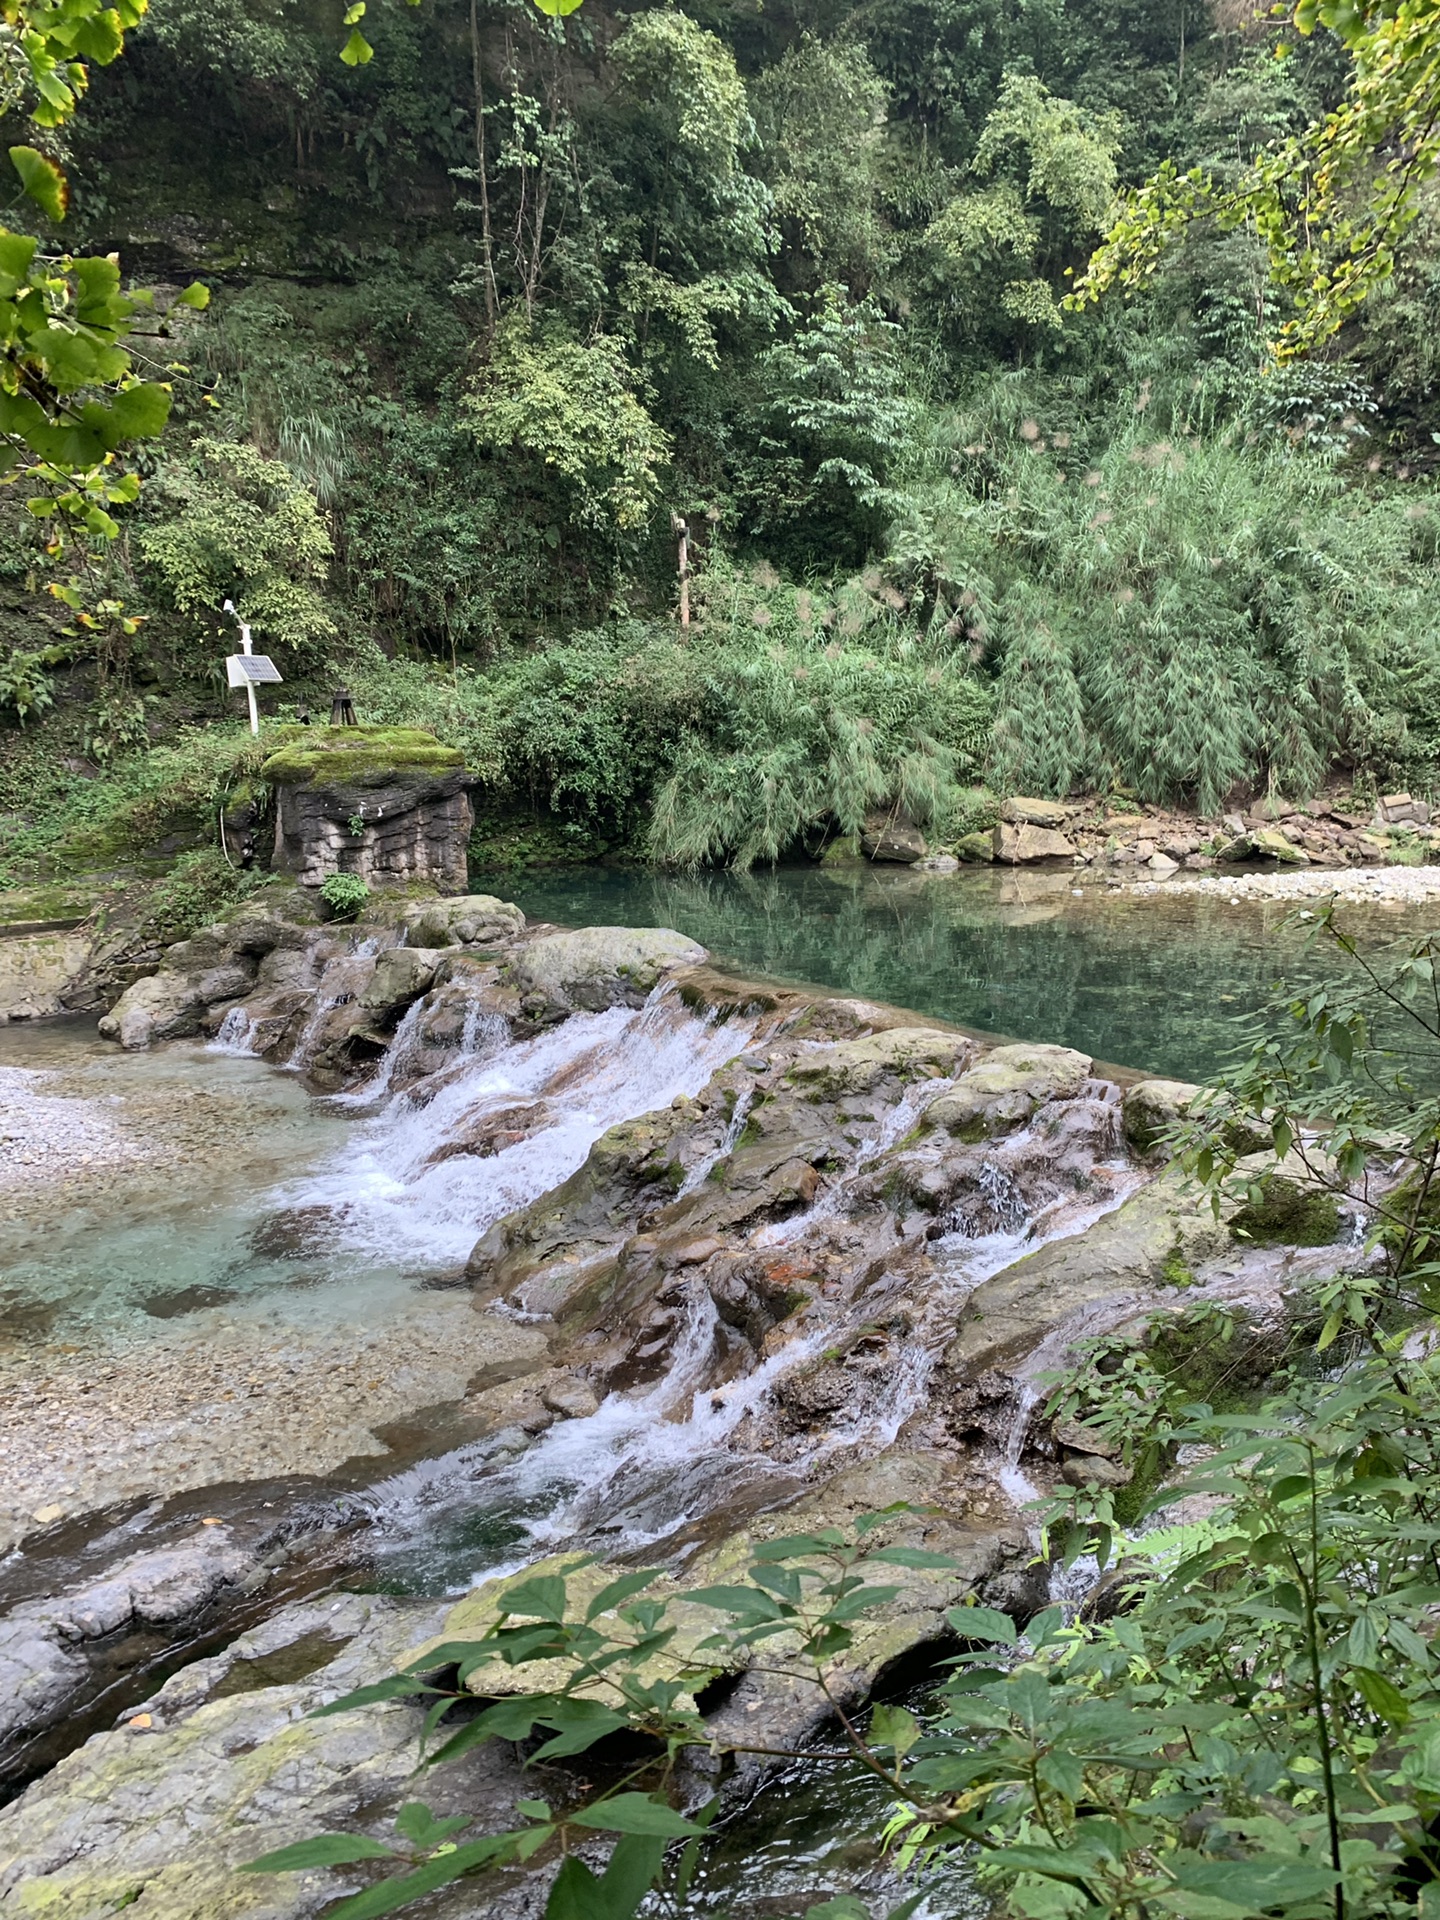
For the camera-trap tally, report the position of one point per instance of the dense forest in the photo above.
(500, 299)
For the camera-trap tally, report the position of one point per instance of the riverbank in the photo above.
(1362, 886)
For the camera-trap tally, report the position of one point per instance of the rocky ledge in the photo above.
(824, 1281)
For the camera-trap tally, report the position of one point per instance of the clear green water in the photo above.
(1170, 984)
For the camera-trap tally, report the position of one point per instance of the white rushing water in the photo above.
(391, 1196)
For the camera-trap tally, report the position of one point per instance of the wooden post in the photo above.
(682, 535)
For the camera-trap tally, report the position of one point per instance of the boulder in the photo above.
(1004, 1089)
(937, 863)
(904, 1053)
(401, 975)
(1269, 843)
(1093, 1470)
(1399, 810)
(1016, 846)
(162, 1006)
(1162, 865)
(470, 919)
(598, 967)
(1024, 811)
(892, 840)
(1152, 1107)
(976, 848)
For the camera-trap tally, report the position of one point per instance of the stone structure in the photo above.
(389, 804)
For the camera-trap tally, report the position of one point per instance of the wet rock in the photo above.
(399, 978)
(42, 1662)
(598, 967)
(901, 1054)
(161, 1815)
(1005, 1088)
(494, 1131)
(471, 919)
(1161, 864)
(1127, 1253)
(1019, 846)
(572, 1399)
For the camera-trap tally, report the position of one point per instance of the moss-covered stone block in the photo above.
(355, 756)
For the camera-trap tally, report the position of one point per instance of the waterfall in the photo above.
(234, 1035)
(395, 1200)
(703, 1168)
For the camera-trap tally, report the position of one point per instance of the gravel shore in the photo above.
(1370, 886)
(210, 1401)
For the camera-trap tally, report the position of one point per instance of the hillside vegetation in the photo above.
(491, 309)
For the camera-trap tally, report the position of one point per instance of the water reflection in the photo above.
(1167, 983)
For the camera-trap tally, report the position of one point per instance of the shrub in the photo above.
(345, 894)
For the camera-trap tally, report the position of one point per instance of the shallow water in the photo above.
(1161, 983)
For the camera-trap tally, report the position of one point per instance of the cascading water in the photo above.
(390, 1194)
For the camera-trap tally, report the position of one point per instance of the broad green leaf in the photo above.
(619, 1591)
(196, 295)
(1381, 1696)
(557, 9)
(635, 1813)
(141, 411)
(914, 1557)
(357, 50)
(1267, 1880)
(581, 1723)
(799, 1546)
(419, 1825)
(985, 1624)
(893, 1727)
(325, 1850)
(397, 1687)
(42, 180)
(540, 1599)
(389, 1895)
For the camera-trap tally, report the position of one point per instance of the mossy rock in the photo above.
(1287, 1215)
(341, 756)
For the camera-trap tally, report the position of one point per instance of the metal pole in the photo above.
(249, 684)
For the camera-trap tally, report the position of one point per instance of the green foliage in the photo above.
(25, 686)
(200, 887)
(1173, 613)
(820, 111)
(345, 894)
(1050, 169)
(571, 408)
(78, 824)
(240, 526)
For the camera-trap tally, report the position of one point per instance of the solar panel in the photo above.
(251, 669)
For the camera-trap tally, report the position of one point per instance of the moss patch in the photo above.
(335, 756)
(1287, 1215)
